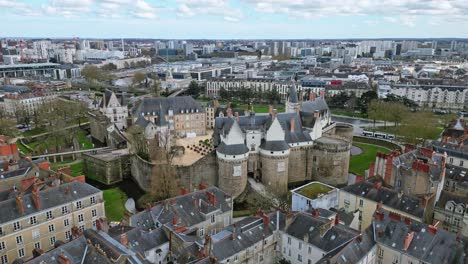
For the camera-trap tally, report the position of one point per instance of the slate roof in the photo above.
(14, 173)
(293, 94)
(245, 234)
(441, 247)
(408, 204)
(107, 96)
(158, 105)
(279, 145)
(139, 239)
(141, 121)
(319, 104)
(457, 173)
(446, 196)
(335, 237)
(262, 122)
(190, 209)
(49, 198)
(352, 252)
(237, 149)
(14, 89)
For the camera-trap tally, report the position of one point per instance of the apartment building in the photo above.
(454, 142)
(203, 212)
(17, 99)
(183, 115)
(402, 240)
(434, 96)
(307, 238)
(366, 196)
(213, 87)
(47, 215)
(450, 209)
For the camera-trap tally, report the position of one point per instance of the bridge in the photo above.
(67, 153)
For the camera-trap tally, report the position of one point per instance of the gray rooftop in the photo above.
(408, 204)
(179, 104)
(190, 209)
(428, 246)
(49, 198)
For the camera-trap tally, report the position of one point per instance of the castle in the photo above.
(281, 149)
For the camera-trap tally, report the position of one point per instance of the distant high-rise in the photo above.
(453, 45)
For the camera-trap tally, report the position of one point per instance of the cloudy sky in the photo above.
(226, 19)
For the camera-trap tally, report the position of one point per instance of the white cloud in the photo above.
(220, 8)
(389, 9)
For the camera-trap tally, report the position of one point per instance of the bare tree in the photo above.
(164, 182)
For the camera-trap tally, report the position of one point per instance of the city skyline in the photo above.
(246, 19)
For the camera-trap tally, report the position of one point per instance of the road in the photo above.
(358, 123)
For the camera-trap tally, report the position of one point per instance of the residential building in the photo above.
(314, 195)
(402, 240)
(366, 196)
(183, 115)
(20, 99)
(213, 87)
(417, 172)
(207, 211)
(434, 96)
(450, 209)
(45, 216)
(307, 238)
(454, 142)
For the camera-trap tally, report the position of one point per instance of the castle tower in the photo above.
(292, 104)
(274, 158)
(232, 156)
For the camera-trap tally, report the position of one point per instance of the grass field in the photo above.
(114, 200)
(359, 163)
(347, 113)
(22, 148)
(34, 131)
(76, 169)
(85, 143)
(313, 190)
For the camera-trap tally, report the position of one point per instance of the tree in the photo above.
(194, 89)
(138, 142)
(163, 179)
(365, 99)
(418, 127)
(156, 86)
(8, 128)
(138, 77)
(109, 67)
(94, 74)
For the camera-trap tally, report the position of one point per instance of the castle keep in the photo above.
(281, 149)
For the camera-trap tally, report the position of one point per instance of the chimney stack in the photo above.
(408, 239)
(316, 213)
(274, 113)
(124, 240)
(316, 114)
(35, 196)
(19, 203)
(229, 112)
(270, 109)
(237, 116)
(293, 123)
(312, 96)
(322, 94)
(337, 219)
(174, 220)
(62, 259)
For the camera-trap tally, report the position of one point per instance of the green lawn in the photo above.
(343, 112)
(22, 148)
(359, 163)
(265, 108)
(114, 200)
(34, 131)
(85, 143)
(313, 190)
(76, 169)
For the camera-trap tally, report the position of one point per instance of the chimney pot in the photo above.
(124, 240)
(293, 123)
